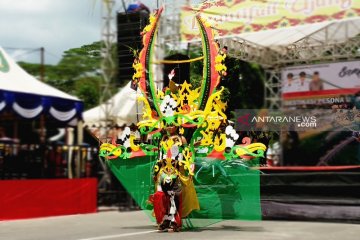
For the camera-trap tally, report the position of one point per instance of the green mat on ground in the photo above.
(225, 189)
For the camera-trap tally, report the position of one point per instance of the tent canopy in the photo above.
(28, 97)
(282, 37)
(122, 110)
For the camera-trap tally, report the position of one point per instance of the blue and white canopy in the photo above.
(28, 97)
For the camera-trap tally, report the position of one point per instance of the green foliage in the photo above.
(77, 73)
(244, 83)
(196, 68)
(86, 59)
(32, 68)
(76, 64)
(87, 89)
(225, 96)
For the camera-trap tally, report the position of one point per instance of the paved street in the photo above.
(136, 225)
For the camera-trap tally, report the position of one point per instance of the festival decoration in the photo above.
(234, 17)
(187, 127)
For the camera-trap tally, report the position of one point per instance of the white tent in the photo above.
(28, 97)
(123, 109)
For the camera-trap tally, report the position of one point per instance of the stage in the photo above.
(319, 193)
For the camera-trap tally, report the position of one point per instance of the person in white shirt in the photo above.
(302, 85)
(290, 85)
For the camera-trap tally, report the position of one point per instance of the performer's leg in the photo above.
(178, 203)
(160, 206)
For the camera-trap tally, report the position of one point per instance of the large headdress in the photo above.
(200, 109)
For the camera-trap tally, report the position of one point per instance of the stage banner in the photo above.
(233, 17)
(332, 83)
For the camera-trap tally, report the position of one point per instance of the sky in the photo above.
(56, 25)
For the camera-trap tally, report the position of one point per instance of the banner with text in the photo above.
(233, 17)
(320, 84)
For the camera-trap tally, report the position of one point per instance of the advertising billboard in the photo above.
(331, 83)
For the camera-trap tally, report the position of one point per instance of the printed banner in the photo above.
(330, 83)
(232, 17)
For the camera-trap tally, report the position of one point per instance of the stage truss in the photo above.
(108, 71)
(318, 47)
(168, 33)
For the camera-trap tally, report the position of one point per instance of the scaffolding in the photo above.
(333, 42)
(108, 71)
(318, 47)
(169, 33)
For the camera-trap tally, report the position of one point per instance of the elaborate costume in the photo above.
(188, 127)
(172, 183)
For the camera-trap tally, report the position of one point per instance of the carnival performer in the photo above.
(175, 195)
(169, 159)
(167, 198)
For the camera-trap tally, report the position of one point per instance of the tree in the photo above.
(77, 73)
(244, 83)
(87, 89)
(76, 64)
